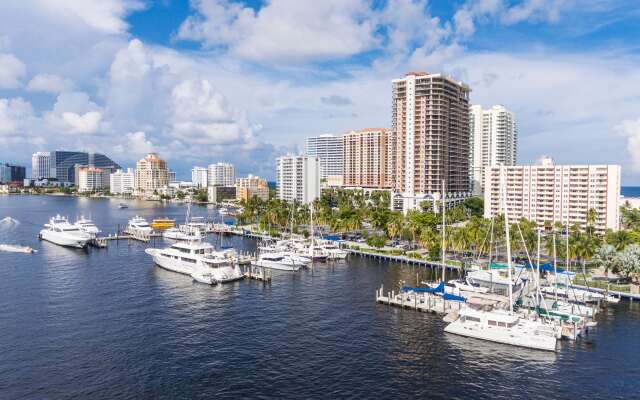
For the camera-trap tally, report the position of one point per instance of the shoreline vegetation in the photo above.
(367, 223)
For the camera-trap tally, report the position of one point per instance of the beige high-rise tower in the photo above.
(151, 174)
(430, 138)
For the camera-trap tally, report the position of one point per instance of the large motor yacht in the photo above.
(182, 233)
(61, 232)
(138, 224)
(87, 225)
(198, 260)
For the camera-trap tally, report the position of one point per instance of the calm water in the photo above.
(108, 324)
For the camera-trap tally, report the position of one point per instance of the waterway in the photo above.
(107, 323)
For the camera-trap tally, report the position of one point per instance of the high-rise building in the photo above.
(365, 158)
(252, 186)
(329, 149)
(430, 138)
(91, 179)
(199, 177)
(121, 182)
(64, 163)
(298, 178)
(151, 174)
(10, 173)
(549, 193)
(494, 136)
(221, 174)
(172, 177)
(41, 165)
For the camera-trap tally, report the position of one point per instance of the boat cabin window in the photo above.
(199, 251)
(189, 260)
(492, 323)
(502, 324)
(471, 319)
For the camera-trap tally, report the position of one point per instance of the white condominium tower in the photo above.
(549, 193)
(221, 174)
(199, 177)
(328, 148)
(430, 138)
(365, 158)
(121, 182)
(298, 178)
(41, 165)
(494, 136)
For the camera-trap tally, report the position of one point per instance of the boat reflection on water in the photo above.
(477, 352)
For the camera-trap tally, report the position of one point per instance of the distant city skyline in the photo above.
(141, 76)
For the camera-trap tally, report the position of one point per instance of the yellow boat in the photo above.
(163, 223)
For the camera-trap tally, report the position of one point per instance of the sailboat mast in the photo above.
(555, 267)
(444, 268)
(538, 274)
(503, 187)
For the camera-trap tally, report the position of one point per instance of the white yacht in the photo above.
(182, 233)
(61, 232)
(197, 223)
(573, 295)
(505, 327)
(495, 280)
(138, 224)
(198, 260)
(280, 261)
(332, 250)
(87, 225)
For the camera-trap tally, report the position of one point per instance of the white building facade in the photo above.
(494, 137)
(221, 174)
(199, 177)
(550, 193)
(92, 179)
(41, 165)
(298, 178)
(121, 182)
(329, 149)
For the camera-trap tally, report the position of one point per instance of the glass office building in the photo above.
(64, 163)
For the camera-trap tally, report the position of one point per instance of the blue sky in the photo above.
(217, 80)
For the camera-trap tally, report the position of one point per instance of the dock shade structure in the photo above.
(438, 289)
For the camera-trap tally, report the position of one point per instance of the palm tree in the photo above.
(395, 225)
(605, 257)
(619, 239)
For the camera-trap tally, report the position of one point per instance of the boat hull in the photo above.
(277, 266)
(63, 240)
(503, 336)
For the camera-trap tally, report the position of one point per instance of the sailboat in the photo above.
(487, 322)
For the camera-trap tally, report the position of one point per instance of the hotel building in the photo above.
(151, 174)
(365, 158)
(329, 149)
(252, 186)
(121, 182)
(494, 135)
(549, 193)
(41, 165)
(221, 174)
(430, 139)
(298, 178)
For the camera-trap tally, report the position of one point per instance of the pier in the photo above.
(258, 273)
(425, 302)
(403, 260)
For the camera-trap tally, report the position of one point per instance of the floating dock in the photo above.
(258, 273)
(425, 302)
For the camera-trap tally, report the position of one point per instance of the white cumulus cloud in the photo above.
(49, 83)
(12, 70)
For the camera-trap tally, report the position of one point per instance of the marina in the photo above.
(399, 342)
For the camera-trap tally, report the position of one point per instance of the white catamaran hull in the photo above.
(504, 336)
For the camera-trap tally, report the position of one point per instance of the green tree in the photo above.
(474, 206)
